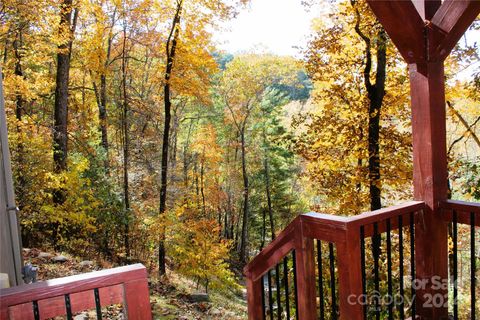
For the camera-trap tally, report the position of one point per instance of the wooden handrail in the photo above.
(385, 213)
(273, 252)
(344, 232)
(463, 210)
(325, 227)
(127, 285)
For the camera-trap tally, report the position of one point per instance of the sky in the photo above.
(279, 26)
(274, 26)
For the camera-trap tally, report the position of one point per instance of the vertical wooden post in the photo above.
(430, 183)
(254, 298)
(137, 300)
(350, 276)
(306, 289)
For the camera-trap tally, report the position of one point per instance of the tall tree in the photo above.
(171, 47)
(60, 132)
(242, 87)
(376, 93)
(189, 66)
(354, 133)
(104, 52)
(125, 141)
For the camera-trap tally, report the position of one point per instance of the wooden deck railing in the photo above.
(344, 239)
(466, 216)
(328, 267)
(66, 296)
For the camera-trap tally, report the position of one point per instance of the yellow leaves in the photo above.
(193, 242)
(335, 143)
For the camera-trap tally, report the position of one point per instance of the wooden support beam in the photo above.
(430, 182)
(427, 8)
(254, 298)
(448, 25)
(350, 276)
(137, 300)
(306, 289)
(404, 25)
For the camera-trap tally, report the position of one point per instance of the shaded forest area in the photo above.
(134, 138)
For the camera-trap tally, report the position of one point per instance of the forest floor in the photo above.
(170, 299)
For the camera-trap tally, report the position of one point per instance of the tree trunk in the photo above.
(202, 183)
(19, 112)
(170, 50)
(102, 98)
(264, 230)
(243, 246)
(60, 133)
(126, 146)
(266, 167)
(60, 147)
(376, 93)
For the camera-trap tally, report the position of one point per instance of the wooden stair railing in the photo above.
(66, 296)
(346, 238)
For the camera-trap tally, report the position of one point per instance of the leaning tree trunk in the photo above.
(170, 50)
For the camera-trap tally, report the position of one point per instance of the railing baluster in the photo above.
(295, 282)
(389, 271)
(376, 253)
(98, 306)
(412, 262)
(270, 294)
(68, 307)
(455, 266)
(401, 306)
(320, 279)
(473, 266)
(364, 273)
(287, 293)
(332, 281)
(36, 311)
(277, 284)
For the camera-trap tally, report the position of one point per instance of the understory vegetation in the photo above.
(135, 139)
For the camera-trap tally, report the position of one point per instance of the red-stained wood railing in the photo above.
(123, 285)
(463, 210)
(344, 233)
(464, 220)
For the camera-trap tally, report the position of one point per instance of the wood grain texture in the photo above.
(306, 289)
(254, 299)
(384, 214)
(137, 300)
(430, 179)
(463, 210)
(350, 276)
(448, 25)
(16, 302)
(324, 227)
(404, 25)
